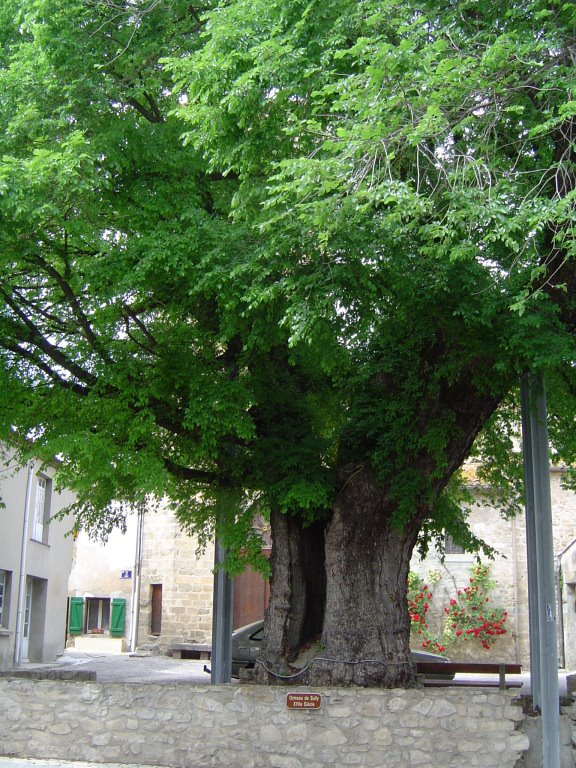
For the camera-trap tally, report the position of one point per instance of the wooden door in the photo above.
(156, 618)
(251, 595)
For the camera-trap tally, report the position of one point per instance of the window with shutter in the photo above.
(118, 620)
(76, 616)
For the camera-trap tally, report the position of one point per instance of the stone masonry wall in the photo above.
(510, 572)
(187, 726)
(170, 558)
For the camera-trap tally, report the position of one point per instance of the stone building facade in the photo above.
(101, 591)
(175, 589)
(510, 572)
(164, 582)
(176, 585)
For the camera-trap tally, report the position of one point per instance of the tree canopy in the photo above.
(288, 259)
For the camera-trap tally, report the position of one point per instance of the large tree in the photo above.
(288, 259)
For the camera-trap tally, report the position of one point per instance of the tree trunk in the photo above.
(348, 576)
(365, 639)
(297, 595)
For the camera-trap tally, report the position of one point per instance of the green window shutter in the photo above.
(118, 619)
(76, 616)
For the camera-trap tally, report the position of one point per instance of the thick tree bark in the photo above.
(348, 577)
(365, 639)
(338, 613)
(297, 595)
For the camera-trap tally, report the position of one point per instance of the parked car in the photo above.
(246, 646)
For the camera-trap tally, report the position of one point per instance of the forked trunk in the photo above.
(297, 595)
(349, 576)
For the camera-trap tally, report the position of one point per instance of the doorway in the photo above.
(156, 614)
(27, 619)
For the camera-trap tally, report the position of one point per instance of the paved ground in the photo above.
(142, 668)
(129, 668)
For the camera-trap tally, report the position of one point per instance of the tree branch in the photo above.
(77, 310)
(35, 337)
(26, 354)
(128, 314)
(153, 114)
(188, 473)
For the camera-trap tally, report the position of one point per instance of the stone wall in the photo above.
(170, 559)
(510, 571)
(221, 726)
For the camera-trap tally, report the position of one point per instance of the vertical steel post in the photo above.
(23, 569)
(539, 466)
(137, 580)
(221, 661)
(531, 554)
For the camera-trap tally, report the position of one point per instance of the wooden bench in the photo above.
(191, 651)
(469, 668)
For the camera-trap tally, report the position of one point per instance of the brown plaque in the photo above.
(303, 700)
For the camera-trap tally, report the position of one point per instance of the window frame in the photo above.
(5, 588)
(97, 617)
(42, 504)
(156, 609)
(455, 553)
(450, 546)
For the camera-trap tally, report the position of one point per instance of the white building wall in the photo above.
(46, 565)
(105, 570)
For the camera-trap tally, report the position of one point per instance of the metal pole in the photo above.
(23, 559)
(544, 550)
(560, 614)
(531, 553)
(137, 581)
(221, 661)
